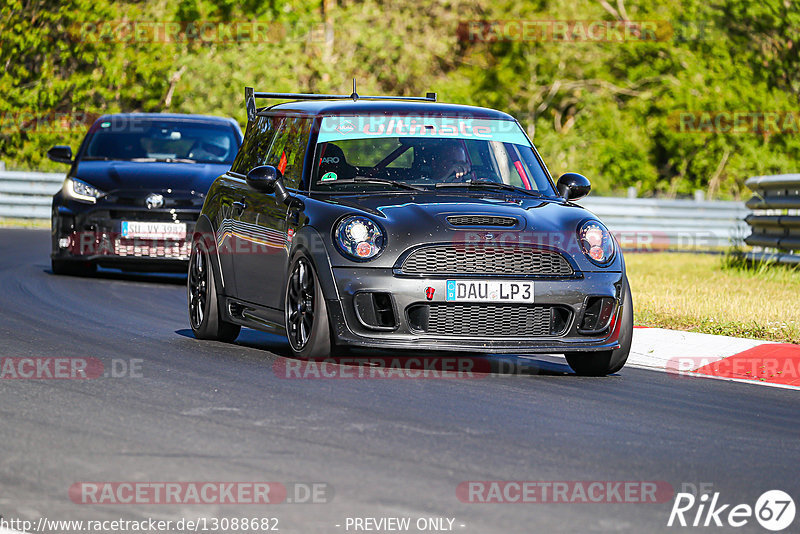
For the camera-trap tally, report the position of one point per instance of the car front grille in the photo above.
(146, 248)
(488, 320)
(485, 259)
(481, 220)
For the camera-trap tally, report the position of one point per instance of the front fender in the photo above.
(310, 242)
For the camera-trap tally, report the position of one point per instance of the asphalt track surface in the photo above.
(208, 411)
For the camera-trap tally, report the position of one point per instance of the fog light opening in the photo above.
(376, 310)
(597, 314)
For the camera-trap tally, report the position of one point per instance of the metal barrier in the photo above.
(775, 221)
(638, 223)
(28, 195)
(644, 223)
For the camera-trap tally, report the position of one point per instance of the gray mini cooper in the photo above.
(402, 223)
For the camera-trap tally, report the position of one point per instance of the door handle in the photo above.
(239, 207)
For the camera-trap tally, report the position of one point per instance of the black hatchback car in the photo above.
(389, 223)
(135, 188)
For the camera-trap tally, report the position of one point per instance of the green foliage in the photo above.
(606, 109)
(54, 63)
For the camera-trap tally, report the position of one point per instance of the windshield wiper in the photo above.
(96, 158)
(366, 179)
(164, 160)
(489, 185)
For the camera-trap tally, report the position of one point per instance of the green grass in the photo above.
(12, 222)
(715, 295)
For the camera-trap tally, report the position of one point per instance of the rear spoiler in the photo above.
(250, 98)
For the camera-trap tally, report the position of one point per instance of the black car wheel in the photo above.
(72, 267)
(204, 312)
(608, 362)
(306, 313)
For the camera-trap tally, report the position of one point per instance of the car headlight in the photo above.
(596, 242)
(359, 237)
(81, 191)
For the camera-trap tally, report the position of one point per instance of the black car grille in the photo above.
(143, 248)
(481, 220)
(488, 320)
(484, 259)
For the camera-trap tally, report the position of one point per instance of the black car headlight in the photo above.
(596, 242)
(81, 191)
(359, 238)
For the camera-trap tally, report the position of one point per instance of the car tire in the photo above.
(305, 312)
(608, 362)
(205, 315)
(72, 267)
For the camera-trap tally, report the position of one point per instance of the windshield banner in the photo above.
(340, 128)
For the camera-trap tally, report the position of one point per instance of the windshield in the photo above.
(365, 153)
(161, 140)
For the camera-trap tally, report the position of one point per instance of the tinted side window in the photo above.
(288, 149)
(256, 144)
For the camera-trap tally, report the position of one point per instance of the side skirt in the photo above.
(254, 316)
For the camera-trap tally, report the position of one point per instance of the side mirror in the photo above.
(268, 179)
(60, 154)
(573, 186)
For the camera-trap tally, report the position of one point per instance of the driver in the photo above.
(449, 163)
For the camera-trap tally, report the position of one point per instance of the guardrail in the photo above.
(638, 223)
(644, 223)
(775, 221)
(28, 195)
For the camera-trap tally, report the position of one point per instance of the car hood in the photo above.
(429, 211)
(111, 176)
(418, 219)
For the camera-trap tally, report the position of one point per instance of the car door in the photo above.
(231, 190)
(261, 266)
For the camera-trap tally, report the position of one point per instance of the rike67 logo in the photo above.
(774, 510)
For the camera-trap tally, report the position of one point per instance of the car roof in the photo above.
(171, 116)
(319, 108)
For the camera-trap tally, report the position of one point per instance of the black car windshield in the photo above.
(385, 153)
(161, 140)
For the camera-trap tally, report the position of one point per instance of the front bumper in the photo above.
(568, 296)
(93, 233)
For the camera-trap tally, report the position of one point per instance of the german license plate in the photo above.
(489, 291)
(153, 230)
